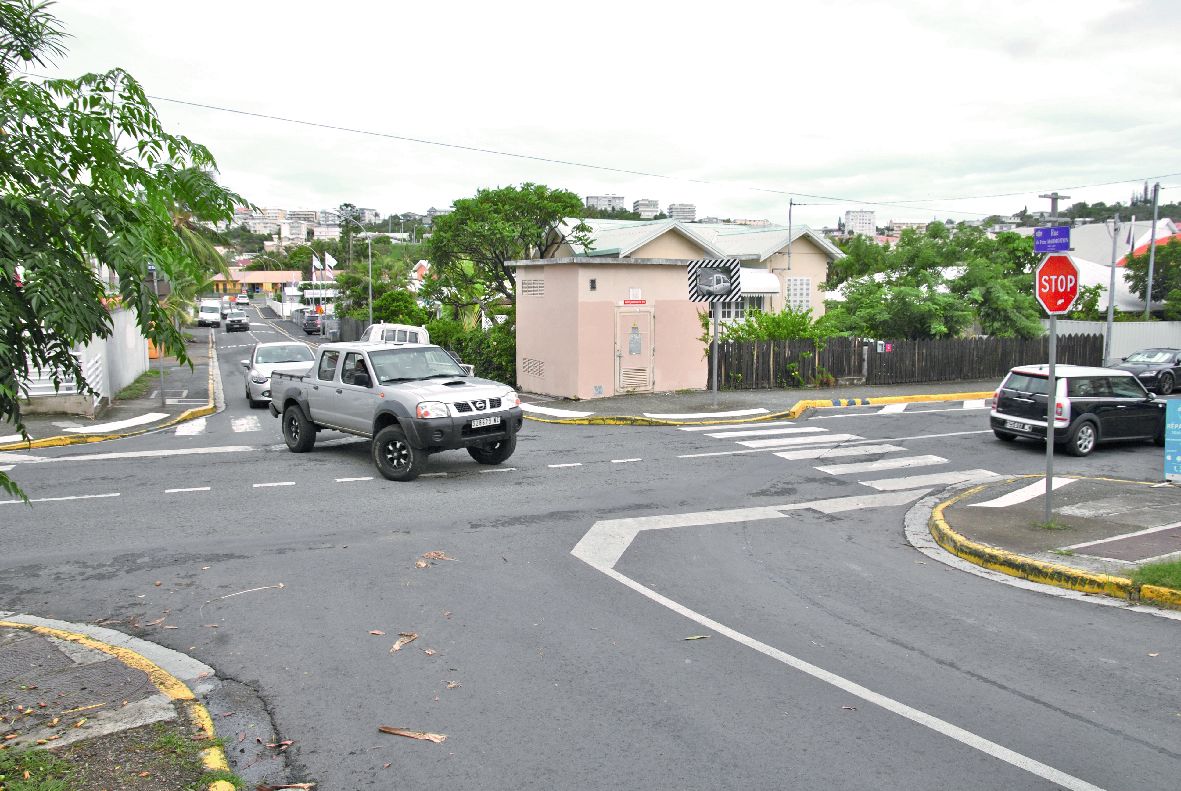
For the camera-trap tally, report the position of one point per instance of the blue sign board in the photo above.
(1051, 240)
(1173, 440)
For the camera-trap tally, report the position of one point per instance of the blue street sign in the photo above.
(1051, 240)
(1173, 441)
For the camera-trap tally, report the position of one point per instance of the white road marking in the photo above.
(60, 499)
(895, 463)
(147, 454)
(102, 428)
(6, 467)
(499, 469)
(624, 461)
(1024, 494)
(276, 483)
(248, 423)
(351, 480)
(192, 428)
(766, 432)
(935, 479)
(844, 450)
(976, 403)
(858, 441)
(767, 424)
(552, 412)
(435, 475)
(1144, 532)
(812, 440)
(893, 409)
(556, 466)
(700, 415)
(7, 438)
(605, 542)
(190, 489)
(908, 413)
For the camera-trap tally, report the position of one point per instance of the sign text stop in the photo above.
(1056, 284)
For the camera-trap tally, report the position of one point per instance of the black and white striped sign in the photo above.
(715, 280)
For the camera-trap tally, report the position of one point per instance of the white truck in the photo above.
(412, 400)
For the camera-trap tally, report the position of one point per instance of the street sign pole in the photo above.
(1051, 401)
(159, 349)
(716, 310)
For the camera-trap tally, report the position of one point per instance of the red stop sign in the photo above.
(1055, 283)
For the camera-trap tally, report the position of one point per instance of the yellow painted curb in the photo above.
(85, 439)
(212, 758)
(1055, 574)
(791, 414)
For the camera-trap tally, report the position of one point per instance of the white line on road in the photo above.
(712, 427)
(624, 461)
(435, 475)
(1122, 536)
(552, 412)
(766, 432)
(895, 463)
(499, 469)
(60, 499)
(844, 450)
(276, 483)
(832, 439)
(907, 413)
(101, 428)
(936, 479)
(701, 415)
(192, 428)
(850, 443)
(189, 489)
(976, 403)
(148, 454)
(1024, 494)
(248, 423)
(606, 541)
(572, 464)
(893, 409)
(351, 480)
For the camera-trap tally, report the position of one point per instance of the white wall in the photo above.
(126, 352)
(1126, 336)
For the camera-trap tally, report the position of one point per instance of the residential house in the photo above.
(254, 282)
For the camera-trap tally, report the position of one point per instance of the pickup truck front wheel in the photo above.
(495, 452)
(298, 432)
(395, 457)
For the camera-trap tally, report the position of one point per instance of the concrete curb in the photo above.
(85, 439)
(796, 410)
(213, 758)
(1040, 571)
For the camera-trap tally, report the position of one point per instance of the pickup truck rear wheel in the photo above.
(395, 457)
(298, 432)
(496, 452)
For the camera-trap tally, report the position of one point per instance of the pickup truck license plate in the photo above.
(485, 421)
(1016, 425)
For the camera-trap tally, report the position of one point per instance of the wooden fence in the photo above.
(755, 365)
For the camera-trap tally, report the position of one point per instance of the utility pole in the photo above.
(1115, 228)
(1054, 197)
(790, 203)
(1151, 249)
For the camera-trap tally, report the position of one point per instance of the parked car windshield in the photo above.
(1150, 356)
(288, 353)
(402, 364)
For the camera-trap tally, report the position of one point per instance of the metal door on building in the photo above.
(634, 351)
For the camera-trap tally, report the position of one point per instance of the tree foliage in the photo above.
(469, 247)
(399, 307)
(1166, 273)
(90, 183)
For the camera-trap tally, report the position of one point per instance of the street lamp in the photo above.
(369, 239)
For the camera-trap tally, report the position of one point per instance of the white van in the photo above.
(209, 313)
(395, 333)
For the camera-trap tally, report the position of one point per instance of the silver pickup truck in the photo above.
(411, 399)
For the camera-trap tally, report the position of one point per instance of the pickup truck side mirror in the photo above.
(245, 364)
(362, 380)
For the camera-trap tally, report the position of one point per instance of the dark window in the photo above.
(1126, 387)
(1088, 387)
(1024, 383)
(594, 284)
(354, 364)
(327, 369)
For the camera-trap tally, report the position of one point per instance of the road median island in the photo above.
(1059, 575)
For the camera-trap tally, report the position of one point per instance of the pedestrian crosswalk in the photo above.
(791, 441)
(201, 425)
(904, 408)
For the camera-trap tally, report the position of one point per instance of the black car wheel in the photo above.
(298, 431)
(1166, 383)
(1083, 439)
(396, 459)
(494, 453)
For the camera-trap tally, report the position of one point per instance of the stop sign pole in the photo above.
(1055, 283)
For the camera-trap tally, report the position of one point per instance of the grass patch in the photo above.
(1066, 553)
(1053, 524)
(1166, 575)
(214, 775)
(46, 772)
(141, 386)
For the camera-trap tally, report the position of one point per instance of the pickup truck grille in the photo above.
(478, 405)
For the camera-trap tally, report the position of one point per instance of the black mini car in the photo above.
(237, 322)
(1091, 405)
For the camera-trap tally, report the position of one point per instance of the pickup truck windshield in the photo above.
(407, 364)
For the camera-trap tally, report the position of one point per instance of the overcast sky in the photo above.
(735, 107)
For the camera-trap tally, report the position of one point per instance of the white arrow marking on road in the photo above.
(150, 417)
(884, 464)
(606, 541)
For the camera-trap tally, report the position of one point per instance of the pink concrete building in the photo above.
(615, 317)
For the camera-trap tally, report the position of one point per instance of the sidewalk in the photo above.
(188, 393)
(1103, 531)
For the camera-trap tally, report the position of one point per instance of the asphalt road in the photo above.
(836, 656)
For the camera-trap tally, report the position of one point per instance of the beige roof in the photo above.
(620, 238)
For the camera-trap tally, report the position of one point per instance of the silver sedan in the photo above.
(269, 357)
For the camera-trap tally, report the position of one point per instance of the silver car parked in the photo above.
(268, 358)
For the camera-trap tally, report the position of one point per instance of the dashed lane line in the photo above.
(188, 489)
(274, 483)
(351, 480)
(559, 466)
(624, 461)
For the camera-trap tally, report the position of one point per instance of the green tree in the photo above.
(88, 175)
(399, 307)
(1166, 272)
(473, 243)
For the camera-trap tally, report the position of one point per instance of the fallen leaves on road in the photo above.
(436, 554)
(420, 564)
(283, 745)
(437, 738)
(404, 639)
(697, 637)
(453, 684)
(429, 651)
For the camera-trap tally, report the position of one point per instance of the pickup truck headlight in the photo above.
(511, 398)
(427, 409)
(257, 379)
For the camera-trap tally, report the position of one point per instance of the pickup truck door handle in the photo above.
(339, 391)
(315, 387)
